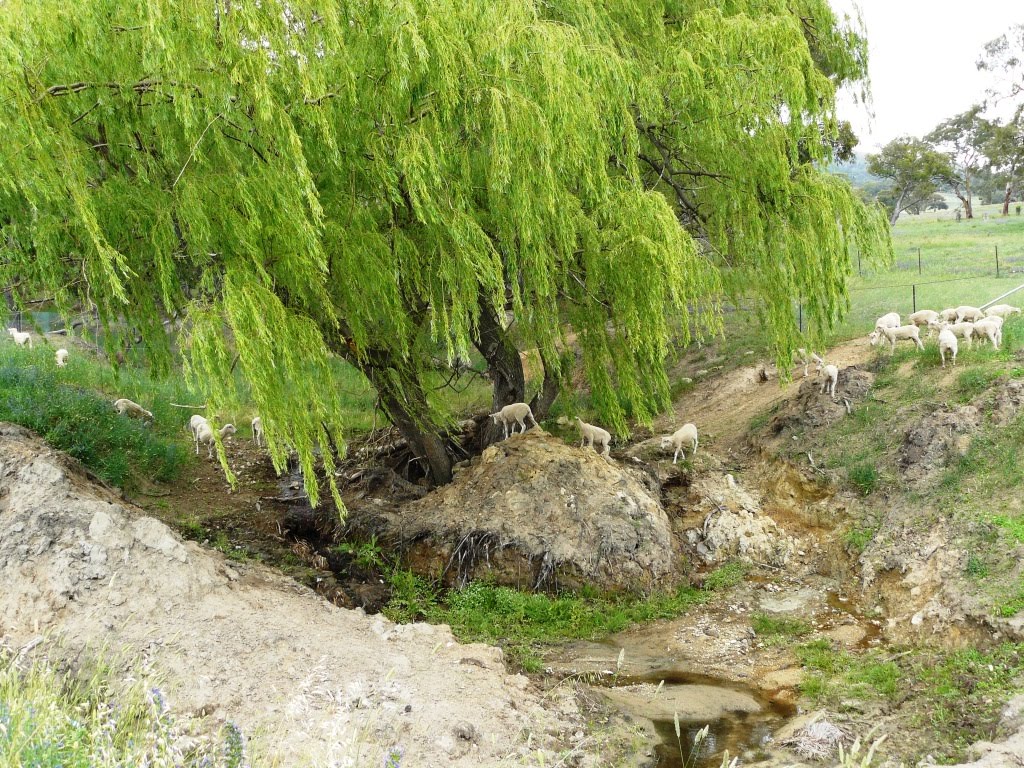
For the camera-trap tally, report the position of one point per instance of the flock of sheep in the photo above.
(964, 321)
(519, 413)
(21, 338)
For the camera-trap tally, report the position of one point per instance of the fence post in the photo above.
(913, 293)
(997, 261)
(801, 315)
(919, 261)
(859, 272)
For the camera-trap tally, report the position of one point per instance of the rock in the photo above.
(533, 512)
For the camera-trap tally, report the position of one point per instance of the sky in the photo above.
(922, 56)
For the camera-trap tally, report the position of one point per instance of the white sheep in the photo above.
(892, 335)
(924, 317)
(969, 313)
(891, 320)
(204, 434)
(686, 435)
(594, 436)
(20, 337)
(948, 315)
(801, 357)
(1002, 310)
(947, 343)
(124, 406)
(516, 413)
(61, 356)
(257, 431)
(193, 427)
(964, 330)
(831, 377)
(990, 329)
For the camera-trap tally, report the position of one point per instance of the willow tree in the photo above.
(382, 180)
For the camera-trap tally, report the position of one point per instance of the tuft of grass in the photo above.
(726, 576)
(973, 381)
(864, 477)
(857, 539)
(778, 627)
(82, 422)
(834, 674)
(49, 721)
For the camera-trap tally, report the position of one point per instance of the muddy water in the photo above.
(744, 723)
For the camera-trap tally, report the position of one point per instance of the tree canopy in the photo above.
(376, 180)
(915, 169)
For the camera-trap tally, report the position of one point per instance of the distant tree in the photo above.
(1004, 58)
(915, 169)
(936, 203)
(391, 181)
(963, 138)
(1004, 149)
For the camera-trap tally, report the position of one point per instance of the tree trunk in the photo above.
(405, 402)
(406, 405)
(543, 400)
(503, 362)
(897, 208)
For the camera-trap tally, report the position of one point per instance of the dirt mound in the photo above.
(534, 512)
(937, 438)
(310, 681)
(813, 408)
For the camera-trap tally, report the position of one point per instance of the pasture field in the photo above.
(957, 266)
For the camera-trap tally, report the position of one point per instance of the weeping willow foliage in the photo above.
(362, 175)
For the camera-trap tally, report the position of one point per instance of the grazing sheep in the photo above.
(969, 313)
(801, 357)
(516, 413)
(62, 357)
(891, 320)
(949, 315)
(990, 329)
(831, 377)
(947, 343)
(205, 435)
(686, 435)
(193, 427)
(257, 431)
(124, 406)
(20, 338)
(924, 317)
(892, 335)
(594, 436)
(1002, 310)
(964, 330)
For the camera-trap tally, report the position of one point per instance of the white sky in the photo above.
(922, 56)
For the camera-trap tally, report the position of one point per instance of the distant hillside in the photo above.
(856, 171)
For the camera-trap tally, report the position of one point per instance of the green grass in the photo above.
(778, 627)
(858, 538)
(521, 622)
(51, 721)
(72, 416)
(864, 477)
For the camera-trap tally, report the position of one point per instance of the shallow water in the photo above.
(736, 731)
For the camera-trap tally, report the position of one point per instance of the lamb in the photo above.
(257, 431)
(686, 435)
(594, 436)
(205, 435)
(831, 377)
(892, 335)
(516, 413)
(967, 312)
(193, 426)
(966, 330)
(20, 337)
(62, 357)
(802, 358)
(947, 343)
(891, 320)
(992, 330)
(1002, 310)
(948, 315)
(924, 317)
(124, 406)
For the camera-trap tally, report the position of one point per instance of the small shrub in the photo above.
(725, 576)
(976, 567)
(864, 477)
(857, 539)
